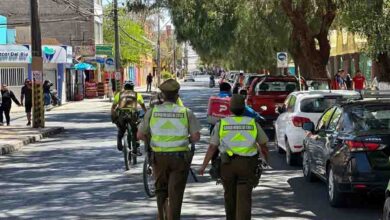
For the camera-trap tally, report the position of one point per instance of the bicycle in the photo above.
(129, 141)
(148, 175)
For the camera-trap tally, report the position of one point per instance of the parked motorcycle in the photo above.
(54, 98)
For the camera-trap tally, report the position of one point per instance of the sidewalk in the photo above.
(14, 137)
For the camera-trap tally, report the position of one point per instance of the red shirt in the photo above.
(359, 82)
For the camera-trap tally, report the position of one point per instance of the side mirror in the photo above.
(281, 109)
(308, 126)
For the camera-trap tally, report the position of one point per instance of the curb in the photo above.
(10, 148)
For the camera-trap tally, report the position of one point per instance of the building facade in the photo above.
(78, 24)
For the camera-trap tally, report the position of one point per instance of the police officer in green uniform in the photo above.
(170, 128)
(239, 140)
(125, 103)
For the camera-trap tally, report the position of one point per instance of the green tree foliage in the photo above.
(133, 43)
(371, 19)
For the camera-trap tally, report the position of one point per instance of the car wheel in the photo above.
(291, 158)
(307, 174)
(386, 210)
(335, 197)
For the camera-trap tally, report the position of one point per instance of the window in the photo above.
(12, 76)
(98, 2)
(335, 119)
(317, 105)
(324, 121)
(277, 86)
(291, 104)
(366, 118)
(98, 33)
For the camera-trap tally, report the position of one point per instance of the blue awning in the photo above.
(84, 66)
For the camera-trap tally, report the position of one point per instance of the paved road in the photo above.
(79, 174)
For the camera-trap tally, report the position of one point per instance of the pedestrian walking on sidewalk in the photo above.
(7, 97)
(46, 92)
(149, 81)
(26, 96)
(239, 140)
(170, 128)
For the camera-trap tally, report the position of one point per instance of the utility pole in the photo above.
(117, 49)
(158, 50)
(174, 54)
(186, 56)
(37, 67)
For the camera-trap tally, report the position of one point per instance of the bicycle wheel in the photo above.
(133, 145)
(126, 151)
(148, 177)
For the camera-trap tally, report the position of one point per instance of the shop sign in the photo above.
(109, 65)
(104, 49)
(15, 54)
(54, 54)
(86, 51)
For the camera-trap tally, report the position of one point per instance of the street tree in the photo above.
(371, 19)
(134, 46)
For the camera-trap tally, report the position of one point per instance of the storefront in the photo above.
(14, 66)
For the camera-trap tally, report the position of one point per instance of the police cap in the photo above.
(169, 85)
(237, 103)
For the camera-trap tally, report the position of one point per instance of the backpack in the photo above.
(218, 108)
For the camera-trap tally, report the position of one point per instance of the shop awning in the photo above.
(84, 66)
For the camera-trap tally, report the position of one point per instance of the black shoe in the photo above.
(8, 124)
(28, 123)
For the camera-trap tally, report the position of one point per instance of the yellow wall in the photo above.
(343, 42)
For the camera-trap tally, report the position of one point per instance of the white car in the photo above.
(298, 108)
(189, 78)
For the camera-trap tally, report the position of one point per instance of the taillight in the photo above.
(299, 121)
(362, 146)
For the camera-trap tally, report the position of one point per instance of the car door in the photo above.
(281, 123)
(327, 142)
(316, 141)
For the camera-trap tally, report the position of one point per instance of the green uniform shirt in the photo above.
(215, 139)
(193, 122)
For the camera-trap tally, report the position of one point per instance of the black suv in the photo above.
(349, 148)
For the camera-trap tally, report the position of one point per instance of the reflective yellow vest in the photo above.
(169, 128)
(238, 136)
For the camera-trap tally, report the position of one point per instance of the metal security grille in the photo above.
(12, 76)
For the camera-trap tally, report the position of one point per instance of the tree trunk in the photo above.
(384, 67)
(314, 47)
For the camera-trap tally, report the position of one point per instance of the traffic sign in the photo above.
(109, 65)
(282, 59)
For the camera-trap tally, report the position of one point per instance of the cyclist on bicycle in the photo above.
(125, 104)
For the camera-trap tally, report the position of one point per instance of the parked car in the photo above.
(266, 94)
(189, 78)
(386, 206)
(249, 79)
(349, 148)
(298, 108)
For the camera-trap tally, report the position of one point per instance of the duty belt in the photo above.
(177, 154)
(234, 156)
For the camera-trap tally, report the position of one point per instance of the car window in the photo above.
(287, 100)
(335, 119)
(291, 104)
(317, 105)
(324, 120)
(366, 117)
(277, 86)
